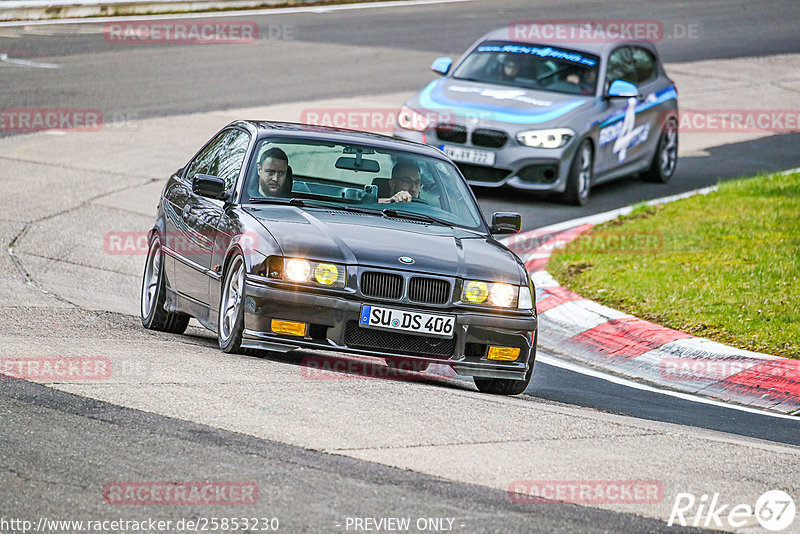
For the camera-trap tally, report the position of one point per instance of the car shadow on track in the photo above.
(326, 365)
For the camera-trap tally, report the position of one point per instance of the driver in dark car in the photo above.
(405, 183)
(274, 176)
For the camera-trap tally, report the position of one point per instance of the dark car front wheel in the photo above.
(579, 181)
(152, 311)
(503, 386)
(666, 157)
(231, 310)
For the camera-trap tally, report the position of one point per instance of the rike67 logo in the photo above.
(774, 511)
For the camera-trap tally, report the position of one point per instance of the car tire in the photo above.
(665, 160)
(404, 364)
(230, 320)
(507, 386)
(503, 386)
(579, 181)
(153, 295)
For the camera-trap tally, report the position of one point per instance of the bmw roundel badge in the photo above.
(406, 260)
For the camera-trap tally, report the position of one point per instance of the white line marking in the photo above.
(25, 63)
(558, 362)
(245, 12)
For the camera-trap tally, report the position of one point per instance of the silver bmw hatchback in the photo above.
(555, 119)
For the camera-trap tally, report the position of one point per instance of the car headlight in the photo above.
(312, 272)
(409, 119)
(492, 294)
(552, 138)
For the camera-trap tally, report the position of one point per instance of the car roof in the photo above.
(601, 49)
(338, 135)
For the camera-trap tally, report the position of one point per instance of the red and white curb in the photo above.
(602, 337)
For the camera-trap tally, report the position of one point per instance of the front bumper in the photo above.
(517, 166)
(333, 325)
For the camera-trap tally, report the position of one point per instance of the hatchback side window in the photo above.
(645, 65)
(620, 66)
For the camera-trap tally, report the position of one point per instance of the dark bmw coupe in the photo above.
(278, 236)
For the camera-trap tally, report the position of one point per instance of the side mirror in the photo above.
(441, 65)
(209, 186)
(506, 223)
(622, 89)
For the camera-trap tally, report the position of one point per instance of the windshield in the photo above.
(351, 176)
(531, 66)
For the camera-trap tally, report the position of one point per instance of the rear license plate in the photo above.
(469, 155)
(427, 324)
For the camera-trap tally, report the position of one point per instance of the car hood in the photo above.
(367, 240)
(452, 97)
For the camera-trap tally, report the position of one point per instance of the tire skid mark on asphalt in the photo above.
(489, 442)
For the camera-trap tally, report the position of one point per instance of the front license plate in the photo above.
(469, 155)
(427, 324)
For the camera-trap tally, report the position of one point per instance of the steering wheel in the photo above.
(421, 201)
(547, 78)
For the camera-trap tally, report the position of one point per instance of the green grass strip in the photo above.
(723, 265)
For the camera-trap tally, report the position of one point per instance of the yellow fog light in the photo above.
(475, 292)
(326, 274)
(289, 328)
(506, 354)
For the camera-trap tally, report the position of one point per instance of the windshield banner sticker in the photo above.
(556, 53)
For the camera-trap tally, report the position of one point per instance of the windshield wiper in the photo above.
(469, 79)
(401, 214)
(271, 200)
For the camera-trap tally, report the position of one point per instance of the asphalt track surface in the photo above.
(49, 438)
